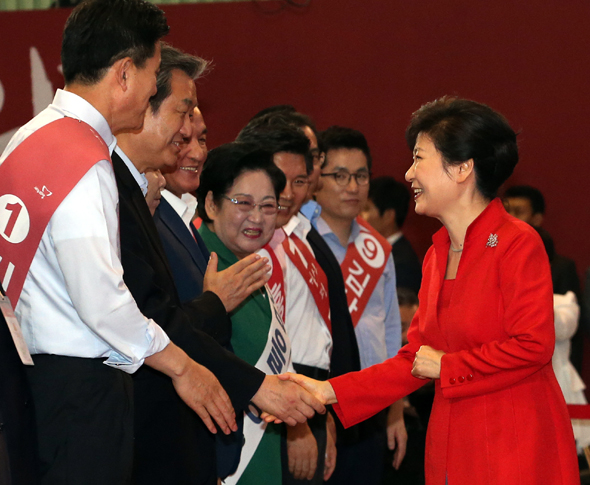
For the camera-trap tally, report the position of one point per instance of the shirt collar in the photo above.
(184, 206)
(139, 177)
(394, 237)
(312, 210)
(77, 107)
(324, 229)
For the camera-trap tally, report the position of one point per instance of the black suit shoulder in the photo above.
(408, 269)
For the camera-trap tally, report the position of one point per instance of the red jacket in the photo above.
(499, 416)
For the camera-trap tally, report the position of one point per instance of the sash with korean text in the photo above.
(362, 267)
(317, 282)
(275, 359)
(276, 283)
(34, 180)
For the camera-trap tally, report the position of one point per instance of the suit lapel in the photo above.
(175, 225)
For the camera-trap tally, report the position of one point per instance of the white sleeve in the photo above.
(567, 312)
(85, 233)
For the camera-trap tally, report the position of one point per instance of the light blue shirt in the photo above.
(379, 330)
(312, 210)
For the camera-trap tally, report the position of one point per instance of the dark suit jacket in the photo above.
(18, 444)
(166, 430)
(408, 269)
(186, 251)
(188, 256)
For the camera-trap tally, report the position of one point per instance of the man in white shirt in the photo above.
(306, 289)
(75, 311)
(168, 446)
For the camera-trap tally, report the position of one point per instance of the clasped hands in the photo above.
(427, 363)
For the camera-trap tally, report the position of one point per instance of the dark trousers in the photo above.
(317, 424)
(361, 462)
(84, 412)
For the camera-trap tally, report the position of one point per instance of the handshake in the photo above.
(288, 398)
(292, 398)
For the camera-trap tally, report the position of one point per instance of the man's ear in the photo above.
(537, 220)
(122, 69)
(389, 218)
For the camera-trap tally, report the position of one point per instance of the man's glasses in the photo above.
(343, 177)
(246, 204)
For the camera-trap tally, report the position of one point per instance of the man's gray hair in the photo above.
(173, 58)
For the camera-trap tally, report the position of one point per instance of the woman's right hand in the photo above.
(322, 390)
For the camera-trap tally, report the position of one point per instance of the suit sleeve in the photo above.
(527, 296)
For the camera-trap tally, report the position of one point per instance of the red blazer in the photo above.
(499, 416)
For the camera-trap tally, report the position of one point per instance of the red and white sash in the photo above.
(276, 283)
(34, 180)
(362, 267)
(312, 273)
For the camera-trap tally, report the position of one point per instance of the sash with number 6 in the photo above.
(34, 180)
(314, 276)
(362, 267)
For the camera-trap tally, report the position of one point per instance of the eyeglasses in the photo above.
(343, 177)
(246, 204)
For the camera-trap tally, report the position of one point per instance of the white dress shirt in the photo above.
(311, 341)
(184, 206)
(74, 301)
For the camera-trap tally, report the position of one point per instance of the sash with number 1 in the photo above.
(363, 265)
(34, 180)
(305, 262)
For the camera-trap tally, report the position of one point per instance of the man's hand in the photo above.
(302, 450)
(234, 284)
(397, 437)
(286, 401)
(427, 363)
(322, 390)
(197, 387)
(330, 462)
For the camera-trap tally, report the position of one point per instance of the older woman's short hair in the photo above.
(461, 130)
(226, 163)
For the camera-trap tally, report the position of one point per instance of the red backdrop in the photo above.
(368, 65)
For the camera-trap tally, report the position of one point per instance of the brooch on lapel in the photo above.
(492, 241)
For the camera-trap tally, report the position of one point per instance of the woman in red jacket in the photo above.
(484, 331)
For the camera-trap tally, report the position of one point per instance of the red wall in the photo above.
(370, 64)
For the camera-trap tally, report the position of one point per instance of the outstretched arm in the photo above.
(197, 387)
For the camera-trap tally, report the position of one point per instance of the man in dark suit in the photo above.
(167, 443)
(386, 210)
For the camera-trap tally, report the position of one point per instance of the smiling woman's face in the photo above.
(244, 233)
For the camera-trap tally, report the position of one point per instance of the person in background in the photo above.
(169, 441)
(305, 291)
(528, 204)
(237, 201)
(369, 276)
(484, 331)
(386, 210)
(155, 184)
